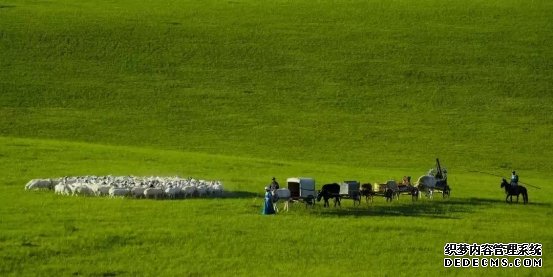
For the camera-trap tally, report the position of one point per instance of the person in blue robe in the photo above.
(268, 207)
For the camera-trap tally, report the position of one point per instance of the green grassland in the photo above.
(245, 90)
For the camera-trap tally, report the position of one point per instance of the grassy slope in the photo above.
(378, 82)
(243, 90)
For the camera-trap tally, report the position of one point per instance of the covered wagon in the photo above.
(302, 188)
(349, 189)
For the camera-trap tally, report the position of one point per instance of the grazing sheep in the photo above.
(217, 190)
(214, 188)
(153, 193)
(201, 190)
(151, 187)
(82, 189)
(189, 191)
(172, 192)
(113, 191)
(58, 189)
(62, 189)
(138, 192)
(103, 190)
(39, 184)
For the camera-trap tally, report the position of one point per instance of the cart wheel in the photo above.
(309, 201)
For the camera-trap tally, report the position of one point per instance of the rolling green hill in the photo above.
(243, 90)
(373, 83)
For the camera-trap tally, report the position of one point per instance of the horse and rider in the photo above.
(514, 189)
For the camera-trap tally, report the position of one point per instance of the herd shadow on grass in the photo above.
(241, 194)
(104, 274)
(489, 202)
(439, 209)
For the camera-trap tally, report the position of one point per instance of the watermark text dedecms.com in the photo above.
(493, 255)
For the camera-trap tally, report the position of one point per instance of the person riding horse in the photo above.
(511, 191)
(514, 180)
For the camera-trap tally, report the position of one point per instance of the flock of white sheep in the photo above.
(130, 186)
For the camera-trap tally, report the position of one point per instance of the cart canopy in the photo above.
(301, 187)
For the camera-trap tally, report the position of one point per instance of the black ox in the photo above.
(330, 191)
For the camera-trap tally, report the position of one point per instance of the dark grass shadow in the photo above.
(417, 209)
(487, 201)
(225, 195)
(241, 194)
(237, 194)
(437, 208)
(112, 273)
(6, 6)
(102, 274)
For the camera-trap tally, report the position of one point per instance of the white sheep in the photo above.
(172, 192)
(82, 189)
(202, 190)
(189, 191)
(138, 192)
(62, 189)
(103, 190)
(153, 193)
(129, 185)
(40, 184)
(217, 189)
(114, 191)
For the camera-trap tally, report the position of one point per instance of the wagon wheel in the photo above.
(310, 201)
(356, 199)
(368, 197)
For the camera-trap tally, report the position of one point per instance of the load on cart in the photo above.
(435, 179)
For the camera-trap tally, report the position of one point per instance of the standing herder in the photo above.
(274, 184)
(514, 180)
